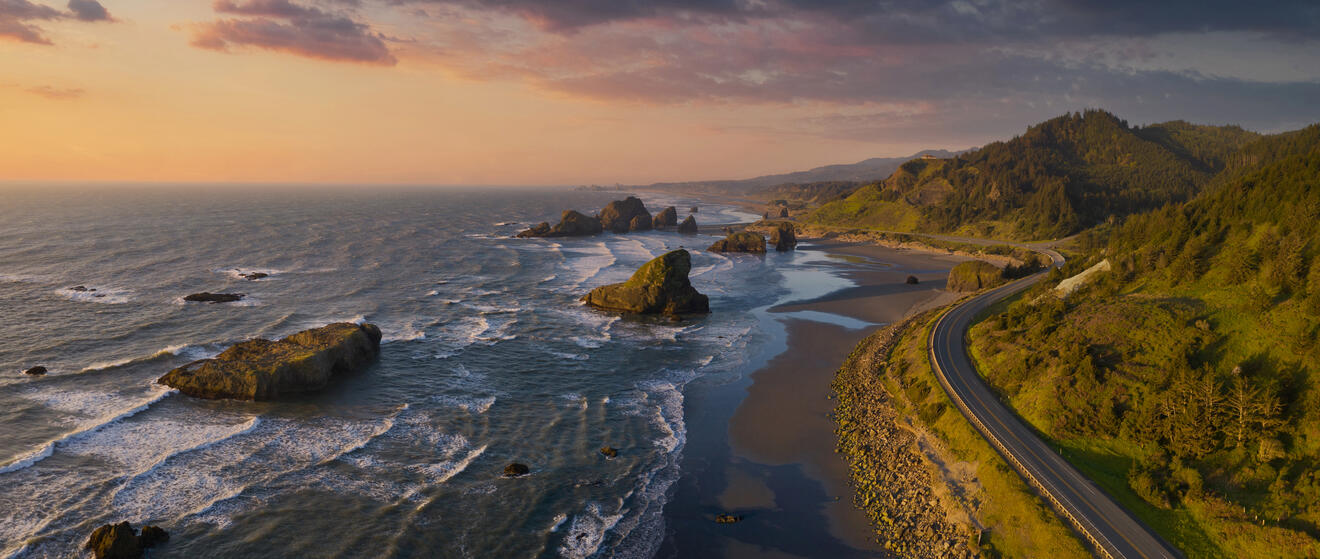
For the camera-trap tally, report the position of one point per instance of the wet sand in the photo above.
(763, 447)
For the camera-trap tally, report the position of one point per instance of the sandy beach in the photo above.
(763, 447)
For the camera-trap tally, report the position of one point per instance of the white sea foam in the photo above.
(405, 334)
(473, 404)
(559, 521)
(571, 356)
(237, 273)
(106, 409)
(103, 295)
(587, 532)
(582, 264)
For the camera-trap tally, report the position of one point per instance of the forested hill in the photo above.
(1187, 379)
(1061, 176)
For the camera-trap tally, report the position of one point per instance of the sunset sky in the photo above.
(605, 91)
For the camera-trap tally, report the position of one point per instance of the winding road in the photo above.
(1110, 529)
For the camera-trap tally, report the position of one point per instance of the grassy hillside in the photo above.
(1185, 381)
(1061, 176)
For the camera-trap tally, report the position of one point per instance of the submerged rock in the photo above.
(571, 224)
(619, 216)
(742, 241)
(659, 286)
(36, 371)
(516, 470)
(262, 369)
(783, 237)
(609, 451)
(206, 297)
(689, 226)
(82, 289)
(253, 276)
(667, 217)
(912, 280)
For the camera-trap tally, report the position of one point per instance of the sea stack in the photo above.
(118, 541)
(783, 238)
(667, 217)
(659, 286)
(742, 241)
(689, 226)
(620, 216)
(571, 224)
(265, 370)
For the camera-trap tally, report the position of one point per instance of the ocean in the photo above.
(488, 358)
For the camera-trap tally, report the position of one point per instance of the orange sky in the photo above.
(479, 97)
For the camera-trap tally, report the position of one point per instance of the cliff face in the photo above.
(262, 369)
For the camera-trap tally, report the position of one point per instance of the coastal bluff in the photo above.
(261, 369)
(660, 286)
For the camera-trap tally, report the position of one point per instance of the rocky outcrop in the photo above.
(206, 297)
(912, 280)
(667, 217)
(728, 518)
(609, 451)
(254, 276)
(265, 370)
(640, 223)
(117, 541)
(974, 275)
(516, 470)
(783, 237)
(36, 371)
(620, 215)
(689, 226)
(571, 224)
(742, 241)
(659, 286)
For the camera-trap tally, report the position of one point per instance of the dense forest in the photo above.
(1061, 176)
(1185, 380)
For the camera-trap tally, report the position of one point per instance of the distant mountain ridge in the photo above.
(869, 170)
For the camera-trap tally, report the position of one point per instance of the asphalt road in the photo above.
(1110, 529)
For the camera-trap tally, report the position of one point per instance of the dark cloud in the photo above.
(88, 10)
(281, 25)
(17, 18)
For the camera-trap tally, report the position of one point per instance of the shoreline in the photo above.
(764, 447)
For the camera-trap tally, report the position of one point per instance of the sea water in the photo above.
(488, 358)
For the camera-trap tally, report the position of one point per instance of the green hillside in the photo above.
(1185, 381)
(1061, 176)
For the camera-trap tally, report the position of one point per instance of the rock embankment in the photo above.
(974, 275)
(660, 286)
(741, 241)
(571, 224)
(894, 481)
(262, 369)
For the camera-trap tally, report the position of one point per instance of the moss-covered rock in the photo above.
(667, 217)
(783, 237)
(974, 275)
(571, 224)
(689, 226)
(618, 216)
(265, 370)
(741, 241)
(659, 286)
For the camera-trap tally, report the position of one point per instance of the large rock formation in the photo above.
(742, 241)
(640, 223)
(667, 217)
(571, 224)
(783, 238)
(264, 370)
(974, 275)
(689, 226)
(207, 297)
(659, 286)
(117, 541)
(619, 216)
